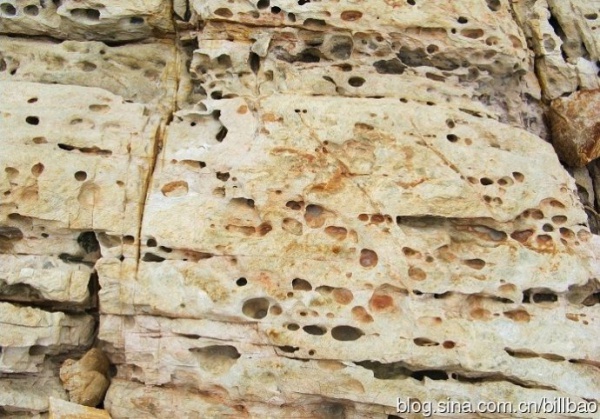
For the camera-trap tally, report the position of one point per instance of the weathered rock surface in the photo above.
(86, 380)
(60, 409)
(296, 208)
(575, 123)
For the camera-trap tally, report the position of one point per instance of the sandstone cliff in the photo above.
(294, 209)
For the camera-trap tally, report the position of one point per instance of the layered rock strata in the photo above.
(294, 209)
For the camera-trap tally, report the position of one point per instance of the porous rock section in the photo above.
(291, 209)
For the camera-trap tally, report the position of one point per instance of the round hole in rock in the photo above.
(314, 216)
(8, 9)
(356, 81)
(342, 296)
(223, 12)
(486, 181)
(80, 176)
(295, 205)
(462, 20)
(351, 15)
(432, 48)
(37, 169)
(32, 120)
(346, 333)
(276, 310)
(241, 282)
(256, 308)
(452, 138)
(417, 274)
(311, 352)
(519, 177)
(32, 100)
(313, 329)
(136, 20)
(31, 10)
(128, 239)
(300, 284)
(472, 33)
(522, 236)
(559, 219)
(151, 243)
(293, 327)
(175, 189)
(448, 344)
(263, 4)
(368, 258)
(475, 263)
(411, 2)
(547, 228)
(338, 233)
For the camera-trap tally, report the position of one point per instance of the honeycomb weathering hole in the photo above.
(315, 330)
(175, 189)
(368, 258)
(301, 284)
(256, 308)
(346, 333)
(217, 359)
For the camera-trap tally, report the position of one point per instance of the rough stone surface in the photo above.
(575, 123)
(296, 209)
(60, 409)
(86, 380)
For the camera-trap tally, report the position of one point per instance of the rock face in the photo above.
(295, 209)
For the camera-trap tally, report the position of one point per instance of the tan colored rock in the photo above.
(564, 36)
(61, 409)
(142, 73)
(286, 208)
(86, 380)
(110, 20)
(575, 123)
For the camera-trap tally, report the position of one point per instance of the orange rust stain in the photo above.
(380, 302)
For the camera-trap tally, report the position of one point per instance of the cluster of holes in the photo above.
(528, 354)
(87, 15)
(341, 333)
(543, 228)
(376, 218)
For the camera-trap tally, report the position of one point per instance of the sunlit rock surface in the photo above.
(295, 208)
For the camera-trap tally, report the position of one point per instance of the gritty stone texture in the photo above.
(575, 123)
(86, 380)
(296, 209)
(60, 409)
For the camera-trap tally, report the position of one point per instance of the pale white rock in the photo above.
(27, 395)
(234, 363)
(49, 278)
(143, 73)
(104, 147)
(287, 208)
(30, 334)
